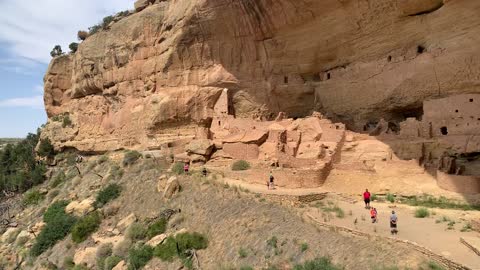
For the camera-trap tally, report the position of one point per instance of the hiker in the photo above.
(373, 214)
(393, 223)
(204, 172)
(366, 199)
(270, 183)
(186, 167)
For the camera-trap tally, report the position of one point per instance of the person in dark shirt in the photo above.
(393, 223)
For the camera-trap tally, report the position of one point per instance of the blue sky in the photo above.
(28, 31)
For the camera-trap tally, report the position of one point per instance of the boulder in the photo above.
(120, 266)
(183, 157)
(80, 208)
(172, 187)
(123, 224)
(10, 235)
(155, 241)
(141, 5)
(194, 158)
(37, 228)
(202, 147)
(23, 237)
(161, 183)
(86, 256)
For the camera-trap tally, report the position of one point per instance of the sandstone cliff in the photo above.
(156, 74)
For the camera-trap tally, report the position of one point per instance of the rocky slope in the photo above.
(157, 73)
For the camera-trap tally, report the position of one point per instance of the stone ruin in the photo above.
(301, 152)
(446, 141)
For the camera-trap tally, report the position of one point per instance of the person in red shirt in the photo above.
(366, 199)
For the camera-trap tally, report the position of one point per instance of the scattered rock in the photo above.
(120, 266)
(10, 235)
(141, 5)
(80, 208)
(37, 228)
(155, 241)
(123, 224)
(85, 257)
(22, 238)
(161, 183)
(172, 187)
(183, 230)
(200, 147)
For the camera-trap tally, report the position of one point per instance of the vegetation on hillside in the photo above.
(58, 225)
(19, 170)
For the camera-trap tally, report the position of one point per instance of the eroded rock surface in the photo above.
(157, 74)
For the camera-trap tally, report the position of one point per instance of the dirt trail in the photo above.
(425, 232)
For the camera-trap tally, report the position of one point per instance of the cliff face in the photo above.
(158, 73)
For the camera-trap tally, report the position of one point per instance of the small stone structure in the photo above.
(447, 137)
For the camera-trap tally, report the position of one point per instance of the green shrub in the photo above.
(272, 242)
(111, 262)
(32, 197)
(103, 252)
(177, 168)
(179, 245)
(139, 257)
(242, 253)
(441, 202)
(317, 264)
(102, 159)
(434, 266)
(467, 227)
(131, 157)
(68, 263)
(390, 198)
(73, 47)
(374, 197)
(116, 172)
(240, 165)
(421, 212)
(56, 51)
(304, 247)
(58, 225)
(336, 209)
(121, 249)
(45, 149)
(107, 194)
(55, 211)
(136, 231)
(58, 179)
(167, 250)
(80, 267)
(156, 228)
(246, 268)
(86, 226)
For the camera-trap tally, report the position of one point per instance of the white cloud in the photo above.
(35, 102)
(30, 28)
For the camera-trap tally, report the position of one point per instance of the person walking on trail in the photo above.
(186, 167)
(270, 183)
(373, 214)
(393, 223)
(204, 172)
(366, 199)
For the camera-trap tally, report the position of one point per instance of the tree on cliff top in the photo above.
(73, 47)
(56, 51)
